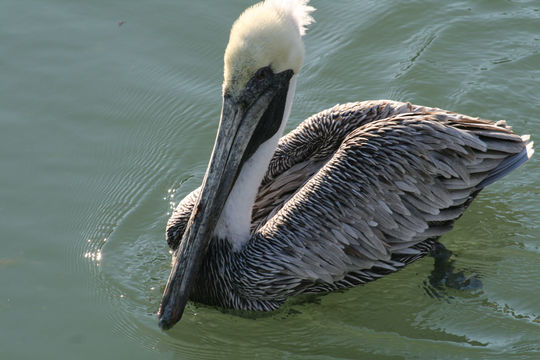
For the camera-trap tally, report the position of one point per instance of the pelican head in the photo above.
(264, 53)
(268, 34)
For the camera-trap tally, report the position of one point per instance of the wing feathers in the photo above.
(362, 189)
(391, 185)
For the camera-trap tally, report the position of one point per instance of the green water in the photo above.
(108, 110)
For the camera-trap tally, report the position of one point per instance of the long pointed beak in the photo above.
(235, 139)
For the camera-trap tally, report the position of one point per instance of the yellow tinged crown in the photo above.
(266, 34)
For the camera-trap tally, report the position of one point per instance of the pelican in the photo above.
(354, 193)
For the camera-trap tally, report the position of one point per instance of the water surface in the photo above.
(108, 112)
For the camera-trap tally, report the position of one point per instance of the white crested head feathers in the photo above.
(266, 34)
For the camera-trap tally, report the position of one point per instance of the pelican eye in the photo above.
(263, 73)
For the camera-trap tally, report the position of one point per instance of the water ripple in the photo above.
(162, 123)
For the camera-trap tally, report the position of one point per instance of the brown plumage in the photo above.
(355, 192)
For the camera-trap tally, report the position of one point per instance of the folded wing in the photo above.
(391, 188)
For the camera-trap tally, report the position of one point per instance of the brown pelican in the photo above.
(354, 193)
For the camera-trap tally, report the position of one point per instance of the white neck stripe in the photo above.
(235, 220)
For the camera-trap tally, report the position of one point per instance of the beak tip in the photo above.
(165, 324)
(168, 317)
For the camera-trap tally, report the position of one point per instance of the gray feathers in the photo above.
(354, 193)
